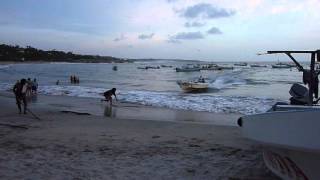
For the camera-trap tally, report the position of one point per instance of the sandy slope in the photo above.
(70, 146)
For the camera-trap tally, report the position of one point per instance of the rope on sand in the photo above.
(35, 116)
(14, 126)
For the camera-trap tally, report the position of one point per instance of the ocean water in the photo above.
(242, 90)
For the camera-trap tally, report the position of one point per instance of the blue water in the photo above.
(243, 90)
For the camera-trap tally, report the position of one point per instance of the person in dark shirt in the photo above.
(108, 95)
(20, 90)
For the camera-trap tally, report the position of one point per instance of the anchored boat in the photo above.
(257, 65)
(282, 65)
(188, 68)
(241, 64)
(290, 133)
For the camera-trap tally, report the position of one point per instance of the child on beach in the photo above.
(108, 95)
(20, 90)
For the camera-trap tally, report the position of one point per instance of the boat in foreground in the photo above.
(191, 86)
(290, 140)
(289, 133)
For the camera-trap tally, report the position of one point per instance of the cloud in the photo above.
(173, 41)
(185, 36)
(122, 37)
(189, 35)
(193, 24)
(206, 11)
(146, 36)
(214, 30)
(171, 1)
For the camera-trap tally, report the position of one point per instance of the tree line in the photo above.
(22, 54)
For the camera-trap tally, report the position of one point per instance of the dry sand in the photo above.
(66, 145)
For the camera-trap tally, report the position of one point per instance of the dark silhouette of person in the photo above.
(108, 95)
(34, 86)
(20, 90)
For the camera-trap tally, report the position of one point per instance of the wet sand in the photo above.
(73, 140)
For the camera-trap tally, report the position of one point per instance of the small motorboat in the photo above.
(197, 85)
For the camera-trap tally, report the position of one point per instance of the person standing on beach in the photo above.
(20, 90)
(108, 95)
(34, 86)
(29, 87)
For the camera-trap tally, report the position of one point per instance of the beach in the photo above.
(59, 140)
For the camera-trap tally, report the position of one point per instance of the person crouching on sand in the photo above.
(20, 90)
(108, 95)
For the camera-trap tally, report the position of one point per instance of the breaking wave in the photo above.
(174, 100)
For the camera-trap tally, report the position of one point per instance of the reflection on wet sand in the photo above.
(110, 112)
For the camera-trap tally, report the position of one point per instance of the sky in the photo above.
(210, 30)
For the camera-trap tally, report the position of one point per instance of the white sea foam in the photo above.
(226, 81)
(4, 66)
(174, 100)
(210, 103)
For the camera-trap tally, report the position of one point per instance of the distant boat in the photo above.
(188, 68)
(166, 66)
(281, 65)
(209, 67)
(241, 64)
(115, 68)
(198, 85)
(257, 65)
(224, 67)
(149, 67)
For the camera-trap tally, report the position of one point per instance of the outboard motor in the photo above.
(300, 94)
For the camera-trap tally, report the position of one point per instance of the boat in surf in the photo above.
(188, 68)
(191, 86)
(289, 133)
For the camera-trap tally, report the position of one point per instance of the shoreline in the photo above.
(126, 110)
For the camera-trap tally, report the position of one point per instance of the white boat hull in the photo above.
(193, 86)
(291, 141)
